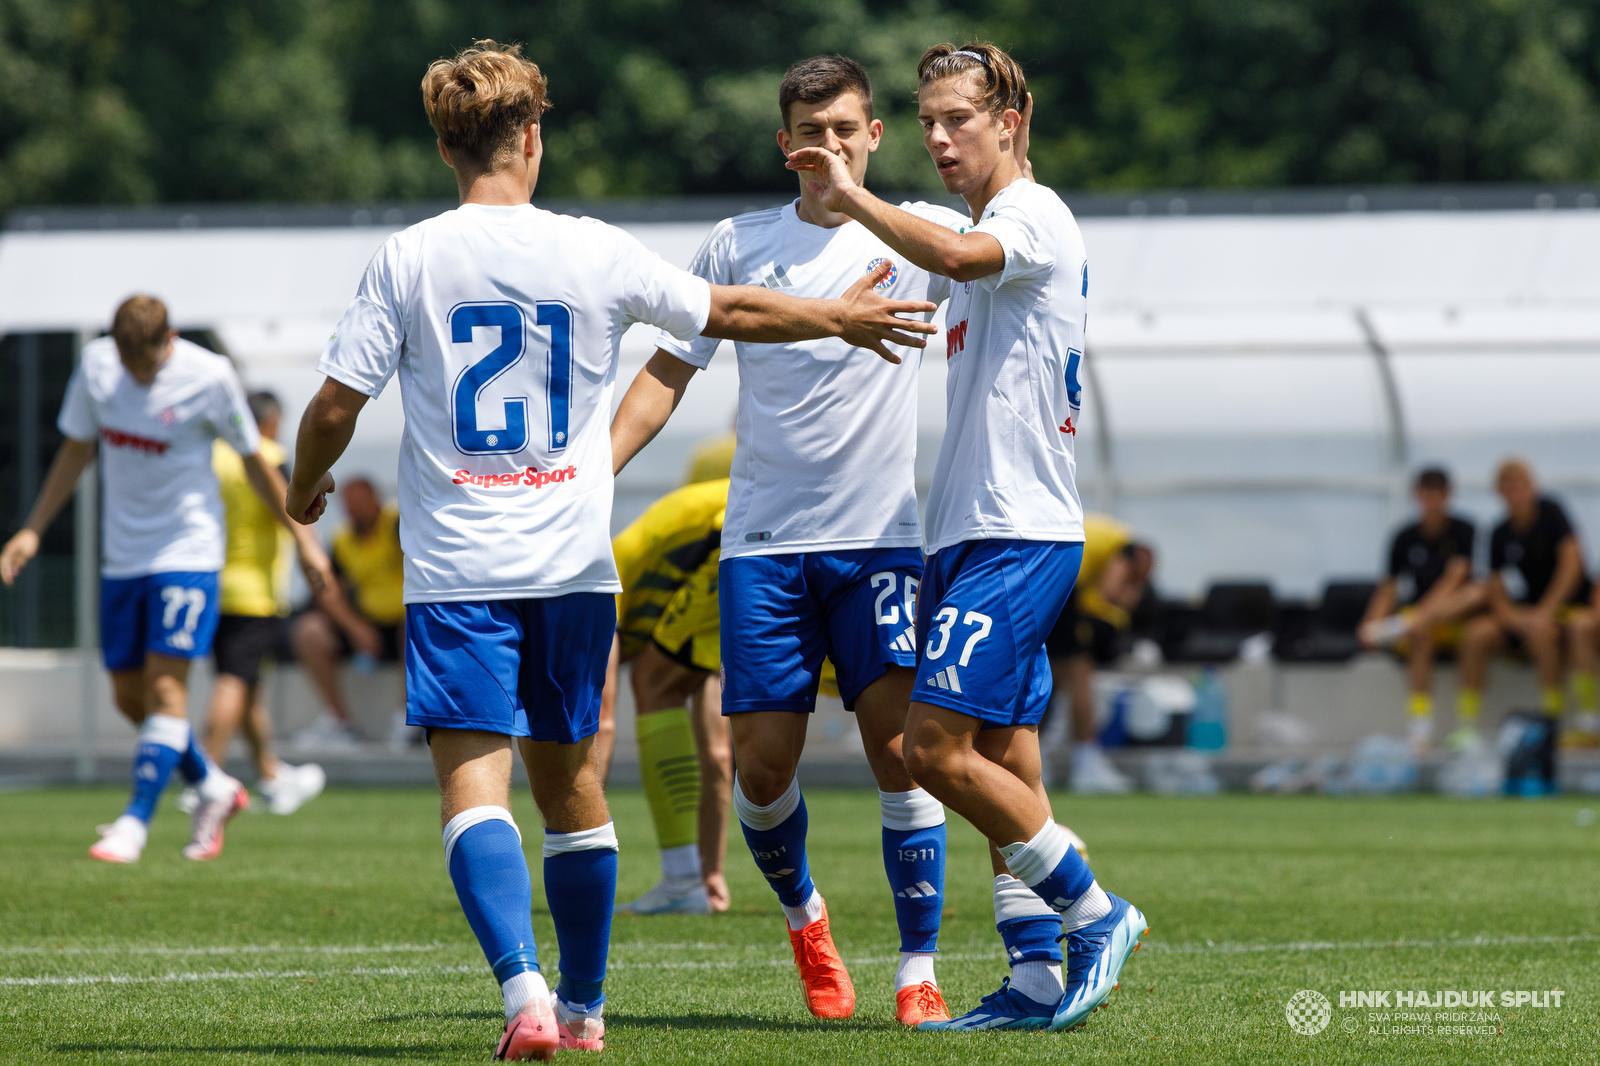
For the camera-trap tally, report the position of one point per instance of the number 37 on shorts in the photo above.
(986, 607)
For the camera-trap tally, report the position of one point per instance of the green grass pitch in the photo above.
(334, 936)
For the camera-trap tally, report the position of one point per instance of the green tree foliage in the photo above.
(130, 101)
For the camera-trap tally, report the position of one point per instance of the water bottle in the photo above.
(1208, 723)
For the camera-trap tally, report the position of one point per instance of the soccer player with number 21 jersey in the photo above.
(503, 322)
(1005, 526)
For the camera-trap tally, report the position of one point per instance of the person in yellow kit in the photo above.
(371, 567)
(668, 629)
(254, 602)
(1111, 581)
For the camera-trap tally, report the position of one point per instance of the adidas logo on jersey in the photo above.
(906, 641)
(530, 477)
(946, 679)
(917, 891)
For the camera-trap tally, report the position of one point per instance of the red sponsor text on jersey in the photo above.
(118, 439)
(530, 478)
(1069, 428)
(955, 338)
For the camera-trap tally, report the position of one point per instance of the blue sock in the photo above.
(162, 740)
(193, 764)
(1029, 927)
(1051, 866)
(580, 884)
(777, 838)
(913, 857)
(484, 854)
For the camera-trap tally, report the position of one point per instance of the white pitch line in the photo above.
(1209, 948)
(229, 975)
(244, 949)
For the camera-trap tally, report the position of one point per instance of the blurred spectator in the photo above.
(1538, 596)
(368, 560)
(1091, 631)
(1419, 607)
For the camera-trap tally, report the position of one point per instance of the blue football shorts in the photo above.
(523, 668)
(782, 614)
(985, 611)
(173, 614)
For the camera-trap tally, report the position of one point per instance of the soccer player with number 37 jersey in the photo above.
(503, 323)
(821, 542)
(156, 403)
(1005, 527)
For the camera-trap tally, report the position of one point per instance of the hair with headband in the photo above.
(1003, 84)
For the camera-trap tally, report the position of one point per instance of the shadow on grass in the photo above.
(331, 1050)
(444, 1015)
(742, 1022)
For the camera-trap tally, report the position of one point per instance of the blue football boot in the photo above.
(1004, 1009)
(1095, 955)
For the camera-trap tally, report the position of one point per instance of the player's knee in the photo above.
(928, 764)
(761, 784)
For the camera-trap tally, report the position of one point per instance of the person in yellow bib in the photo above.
(254, 603)
(668, 629)
(371, 569)
(1090, 631)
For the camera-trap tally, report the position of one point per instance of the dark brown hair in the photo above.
(139, 326)
(480, 101)
(1436, 478)
(1001, 76)
(811, 81)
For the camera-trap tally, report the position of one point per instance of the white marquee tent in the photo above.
(1257, 387)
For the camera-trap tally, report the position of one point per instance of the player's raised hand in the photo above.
(15, 555)
(305, 507)
(1019, 140)
(827, 177)
(871, 320)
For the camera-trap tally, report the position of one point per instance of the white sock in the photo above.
(681, 863)
(1039, 980)
(915, 968)
(131, 826)
(1036, 860)
(217, 784)
(1089, 907)
(808, 912)
(519, 989)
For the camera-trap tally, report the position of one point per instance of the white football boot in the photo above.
(579, 1030)
(673, 897)
(1093, 774)
(220, 800)
(293, 787)
(121, 841)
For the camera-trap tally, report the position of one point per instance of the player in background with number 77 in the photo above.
(503, 322)
(156, 403)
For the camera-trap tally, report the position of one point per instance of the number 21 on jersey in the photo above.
(514, 376)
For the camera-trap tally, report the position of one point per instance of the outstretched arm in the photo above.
(961, 256)
(649, 402)
(861, 316)
(325, 432)
(65, 469)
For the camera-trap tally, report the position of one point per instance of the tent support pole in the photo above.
(1399, 449)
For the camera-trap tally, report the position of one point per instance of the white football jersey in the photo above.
(1015, 345)
(162, 510)
(504, 324)
(827, 433)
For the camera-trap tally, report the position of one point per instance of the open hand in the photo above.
(870, 320)
(306, 507)
(15, 555)
(827, 178)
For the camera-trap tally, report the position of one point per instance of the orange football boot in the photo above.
(532, 1034)
(829, 993)
(915, 1004)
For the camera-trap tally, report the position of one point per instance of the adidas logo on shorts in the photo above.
(946, 679)
(906, 641)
